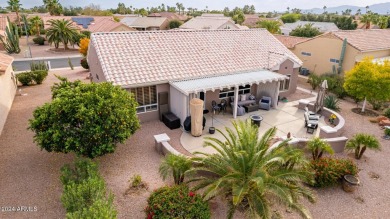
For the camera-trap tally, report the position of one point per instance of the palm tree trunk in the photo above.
(362, 151)
(232, 210)
(357, 150)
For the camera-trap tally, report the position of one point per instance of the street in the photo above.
(62, 62)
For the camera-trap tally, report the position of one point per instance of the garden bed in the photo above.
(367, 112)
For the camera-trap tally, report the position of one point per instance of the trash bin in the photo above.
(256, 120)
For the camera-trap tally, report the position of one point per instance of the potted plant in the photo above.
(332, 118)
(350, 182)
(212, 128)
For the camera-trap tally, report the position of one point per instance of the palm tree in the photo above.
(52, 6)
(367, 19)
(317, 146)
(360, 142)
(36, 23)
(175, 165)
(14, 6)
(252, 175)
(272, 26)
(61, 31)
(288, 9)
(359, 11)
(324, 8)
(367, 7)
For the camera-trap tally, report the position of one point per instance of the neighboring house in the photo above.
(92, 24)
(7, 87)
(322, 26)
(321, 53)
(211, 22)
(290, 41)
(146, 23)
(209, 64)
(170, 16)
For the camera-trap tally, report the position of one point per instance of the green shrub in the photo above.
(335, 84)
(86, 33)
(331, 102)
(318, 147)
(39, 76)
(176, 202)
(174, 24)
(84, 193)
(314, 80)
(35, 66)
(84, 63)
(328, 171)
(25, 78)
(387, 132)
(136, 180)
(39, 40)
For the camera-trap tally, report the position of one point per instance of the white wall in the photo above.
(269, 90)
(7, 93)
(178, 103)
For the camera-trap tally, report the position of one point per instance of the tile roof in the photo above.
(210, 23)
(366, 40)
(169, 15)
(323, 26)
(290, 41)
(128, 20)
(146, 22)
(153, 57)
(5, 62)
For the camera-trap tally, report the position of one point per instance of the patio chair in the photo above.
(311, 119)
(223, 106)
(265, 103)
(215, 106)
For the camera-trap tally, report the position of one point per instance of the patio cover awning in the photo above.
(381, 60)
(225, 81)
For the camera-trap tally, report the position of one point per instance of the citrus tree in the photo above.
(251, 174)
(88, 119)
(369, 81)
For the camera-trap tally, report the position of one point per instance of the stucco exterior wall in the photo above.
(228, 25)
(95, 66)
(7, 93)
(122, 28)
(287, 68)
(153, 115)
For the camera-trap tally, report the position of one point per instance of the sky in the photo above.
(261, 5)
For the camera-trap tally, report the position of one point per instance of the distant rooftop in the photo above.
(322, 26)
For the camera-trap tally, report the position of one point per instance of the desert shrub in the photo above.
(39, 76)
(39, 40)
(86, 33)
(136, 180)
(332, 102)
(176, 202)
(387, 113)
(387, 132)
(35, 66)
(84, 193)
(335, 84)
(25, 78)
(314, 81)
(84, 63)
(328, 171)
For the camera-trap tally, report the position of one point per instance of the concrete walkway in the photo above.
(286, 118)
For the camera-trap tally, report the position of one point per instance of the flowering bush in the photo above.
(328, 171)
(176, 202)
(332, 118)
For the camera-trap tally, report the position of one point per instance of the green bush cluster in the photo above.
(387, 113)
(84, 193)
(176, 202)
(27, 78)
(35, 66)
(328, 171)
(39, 40)
(335, 83)
(84, 63)
(331, 102)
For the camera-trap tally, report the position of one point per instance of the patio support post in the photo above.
(276, 95)
(235, 102)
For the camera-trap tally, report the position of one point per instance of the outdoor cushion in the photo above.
(243, 97)
(252, 97)
(264, 101)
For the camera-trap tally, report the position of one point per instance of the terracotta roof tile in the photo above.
(290, 41)
(5, 62)
(151, 57)
(205, 22)
(366, 40)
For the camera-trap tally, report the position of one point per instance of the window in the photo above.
(334, 60)
(146, 98)
(306, 53)
(230, 92)
(285, 84)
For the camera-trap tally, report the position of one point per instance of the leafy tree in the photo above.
(53, 6)
(61, 31)
(290, 18)
(305, 31)
(345, 23)
(318, 147)
(382, 21)
(360, 142)
(88, 119)
(239, 17)
(369, 81)
(251, 174)
(14, 6)
(36, 23)
(95, 10)
(272, 26)
(176, 166)
(174, 24)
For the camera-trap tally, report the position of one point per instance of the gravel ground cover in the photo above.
(30, 177)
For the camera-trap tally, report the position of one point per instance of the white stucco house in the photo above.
(183, 64)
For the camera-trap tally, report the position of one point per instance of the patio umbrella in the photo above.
(320, 96)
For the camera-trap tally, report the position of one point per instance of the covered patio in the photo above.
(287, 118)
(224, 87)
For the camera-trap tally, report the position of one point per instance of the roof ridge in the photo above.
(179, 30)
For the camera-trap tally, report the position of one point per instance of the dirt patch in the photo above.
(373, 175)
(367, 112)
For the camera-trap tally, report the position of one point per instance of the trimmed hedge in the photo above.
(39, 76)
(26, 78)
(39, 40)
(176, 202)
(84, 193)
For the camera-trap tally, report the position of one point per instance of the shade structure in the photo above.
(321, 96)
(196, 107)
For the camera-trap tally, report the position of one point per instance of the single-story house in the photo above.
(169, 15)
(322, 26)
(146, 23)
(325, 53)
(171, 67)
(290, 41)
(7, 87)
(211, 22)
